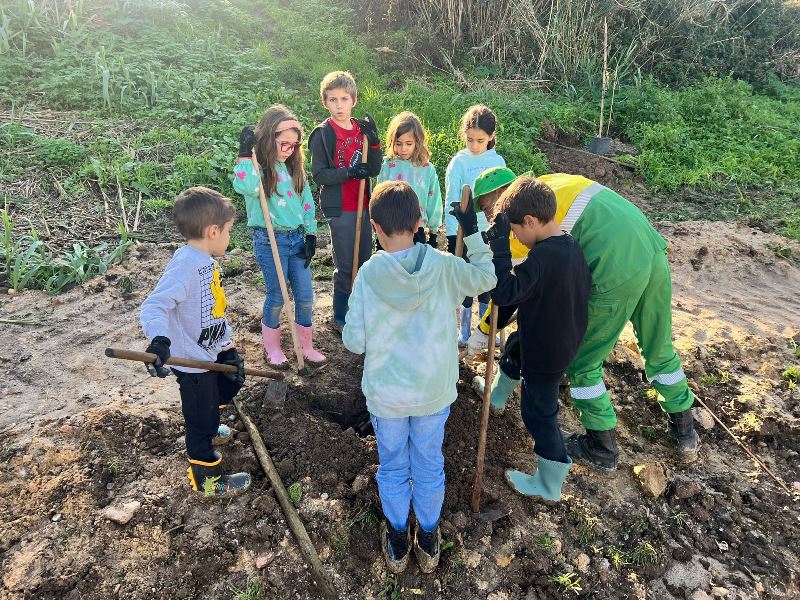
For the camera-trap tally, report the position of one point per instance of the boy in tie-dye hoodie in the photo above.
(404, 300)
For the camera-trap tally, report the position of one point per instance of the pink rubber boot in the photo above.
(272, 346)
(307, 344)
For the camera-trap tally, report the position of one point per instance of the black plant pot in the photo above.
(600, 145)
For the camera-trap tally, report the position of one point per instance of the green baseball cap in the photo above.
(489, 181)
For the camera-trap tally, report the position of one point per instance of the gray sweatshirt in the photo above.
(188, 306)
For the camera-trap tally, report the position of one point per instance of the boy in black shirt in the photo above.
(550, 290)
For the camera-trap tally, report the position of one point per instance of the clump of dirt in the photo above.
(83, 435)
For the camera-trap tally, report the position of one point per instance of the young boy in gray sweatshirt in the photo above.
(185, 314)
(402, 315)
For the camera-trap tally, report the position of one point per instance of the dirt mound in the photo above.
(84, 434)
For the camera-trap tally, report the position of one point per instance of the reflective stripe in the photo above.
(588, 393)
(578, 205)
(668, 378)
(518, 261)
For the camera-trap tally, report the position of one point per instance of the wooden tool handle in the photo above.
(307, 549)
(487, 398)
(148, 357)
(287, 304)
(362, 188)
(466, 198)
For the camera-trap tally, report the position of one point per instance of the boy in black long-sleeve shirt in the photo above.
(551, 292)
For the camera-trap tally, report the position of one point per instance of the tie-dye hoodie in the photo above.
(402, 315)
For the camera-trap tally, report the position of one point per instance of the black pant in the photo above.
(538, 403)
(482, 298)
(201, 396)
(539, 407)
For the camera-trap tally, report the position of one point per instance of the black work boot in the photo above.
(596, 449)
(427, 548)
(208, 479)
(394, 543)
(685, 438)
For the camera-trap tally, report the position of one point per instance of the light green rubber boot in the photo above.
(502, 388)
(545, 483)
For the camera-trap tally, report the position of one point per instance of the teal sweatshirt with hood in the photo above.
(402, 316)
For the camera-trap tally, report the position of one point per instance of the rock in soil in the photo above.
(652, 478)
(121, 513)
(703, 418)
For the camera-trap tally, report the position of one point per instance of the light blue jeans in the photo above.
(291, 245)
(411, 469)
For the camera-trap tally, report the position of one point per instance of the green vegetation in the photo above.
(791, 376)
(114, 107)
(27, 263)
(568, 582)
(391, 590)
(544, 541)
(295, 493)
(252, 590)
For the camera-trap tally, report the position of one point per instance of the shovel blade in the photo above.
(275, 393)
(494, 512)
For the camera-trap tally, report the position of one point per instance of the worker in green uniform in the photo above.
(630, 282)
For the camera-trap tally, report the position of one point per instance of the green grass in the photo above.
(568, 582)
(252, 590)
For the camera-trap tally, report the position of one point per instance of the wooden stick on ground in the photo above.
(292, 518)
(466, 198)
(188, 362)
(746, 449)
(487, 396)
(362, 187)
(288, 305)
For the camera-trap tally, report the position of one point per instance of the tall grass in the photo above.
(560, 41)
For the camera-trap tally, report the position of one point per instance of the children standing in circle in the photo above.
(277, 142)
(408, 159)
(478, 127)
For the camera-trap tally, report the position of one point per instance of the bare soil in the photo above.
(82, 432)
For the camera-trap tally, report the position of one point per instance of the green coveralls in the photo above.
(631, 282)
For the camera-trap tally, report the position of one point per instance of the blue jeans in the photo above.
(290, 250)
(411, 469)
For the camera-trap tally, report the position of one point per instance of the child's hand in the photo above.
(369, 129)
(466, 218)
(247, 139)
(160, 347)
(358, 171)
(232, 357)
(497, 236)
(309, 250)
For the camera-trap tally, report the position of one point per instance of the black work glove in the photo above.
(358, 171)
(466, 218)
(497, 236)
(432, 237)
(309, 250)
(160, 347)
(247, 139)
(369, 129)
(232, 357)
(419, 236)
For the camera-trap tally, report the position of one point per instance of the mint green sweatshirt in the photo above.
(287, 209)
(425, 183)
(404, 321)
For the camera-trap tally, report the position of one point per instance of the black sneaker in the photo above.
(427, 548)
(394, 543)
